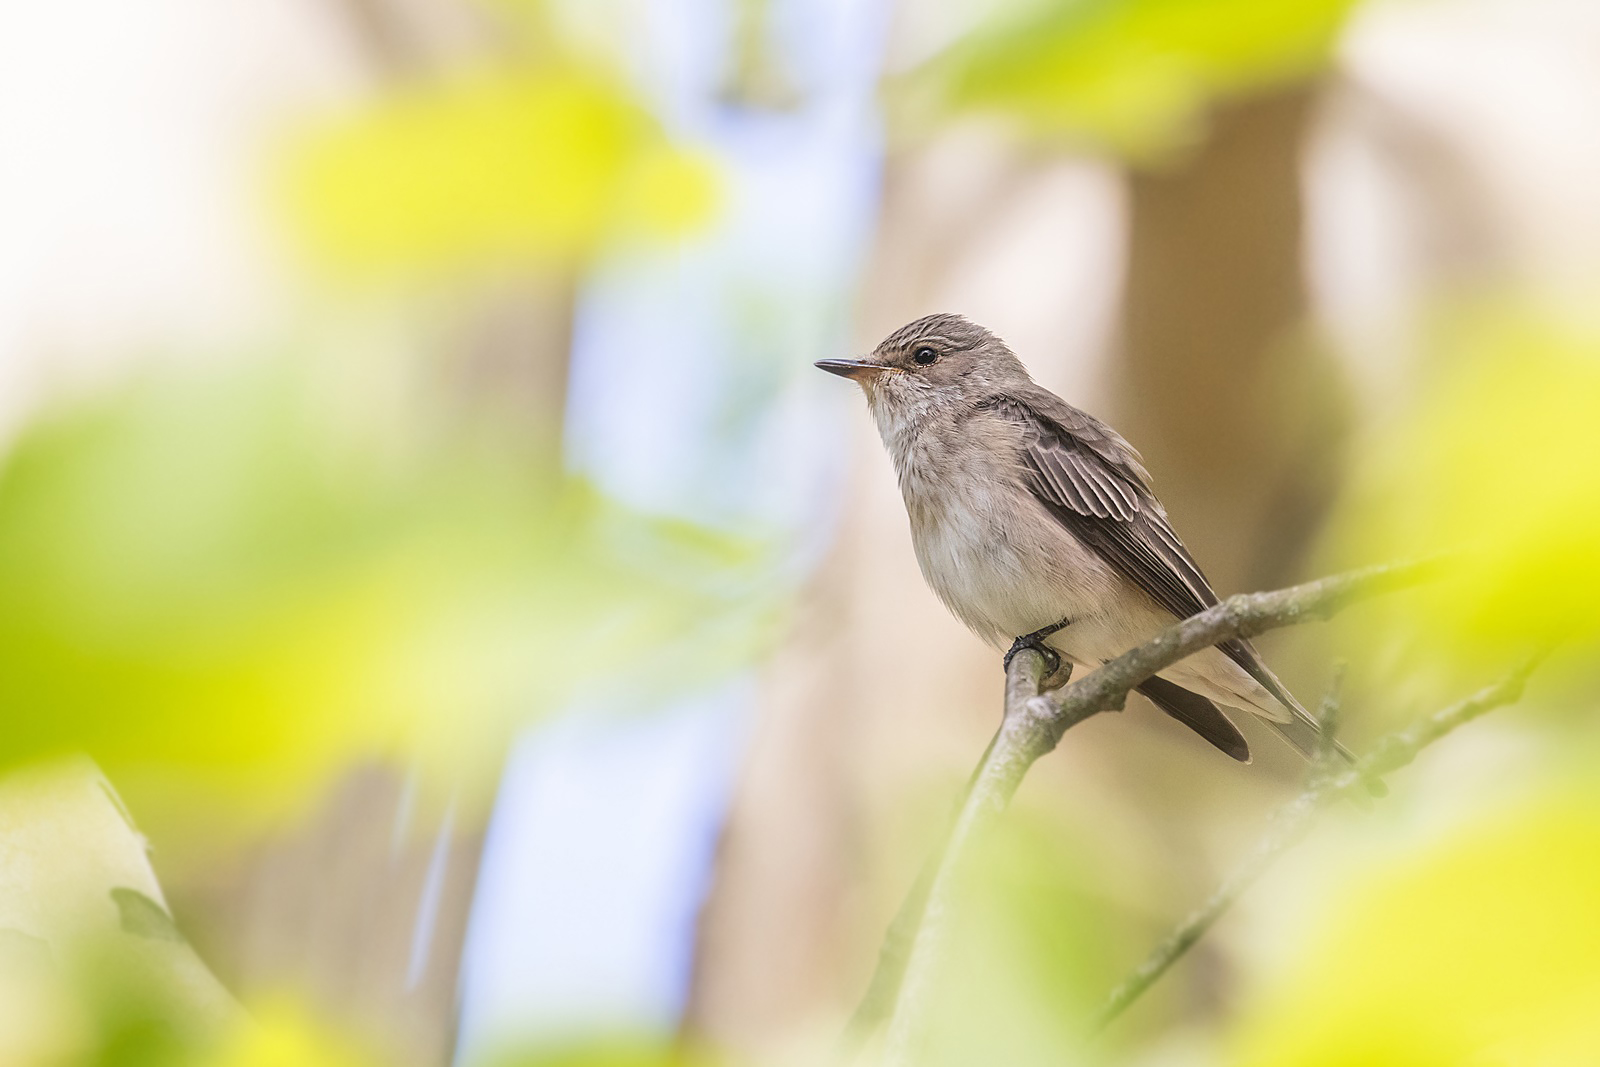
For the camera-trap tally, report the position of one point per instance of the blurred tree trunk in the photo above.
(1238, 415)
(361, 908)
(772, 928)
(361, 905)
(364, 904)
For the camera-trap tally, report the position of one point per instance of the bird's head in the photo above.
(935, 362)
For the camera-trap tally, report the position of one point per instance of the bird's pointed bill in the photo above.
(858, 369)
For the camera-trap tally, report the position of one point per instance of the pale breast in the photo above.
(986, 547)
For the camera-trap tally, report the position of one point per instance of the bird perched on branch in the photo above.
(1035, 523)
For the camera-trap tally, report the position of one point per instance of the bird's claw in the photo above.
(1035, 641)
(1052, 659)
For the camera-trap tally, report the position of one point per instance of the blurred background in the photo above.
(444, 618)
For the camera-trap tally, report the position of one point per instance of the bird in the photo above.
(1036, 524)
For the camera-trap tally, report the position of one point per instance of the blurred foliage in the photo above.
(1483, 948)
(615, 1049)
(1134, 76)
(118, 1020)
(126, 1027)
(282, 1032)
(92, 968)
(234, 580)
(490, 166)
(1035, 944)
(1499, 462)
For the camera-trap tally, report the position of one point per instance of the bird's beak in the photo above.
(858, 369)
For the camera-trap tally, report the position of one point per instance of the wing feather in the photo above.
(1093, 483)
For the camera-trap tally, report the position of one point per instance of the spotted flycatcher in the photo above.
(1034, 522)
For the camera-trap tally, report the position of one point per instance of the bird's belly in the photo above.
(976, 574)
(1005, 569)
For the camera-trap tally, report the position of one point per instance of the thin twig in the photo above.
(1243, 615)
(885, 985)
(1294, 820)
(1033, 720)
(1033, 725)
(1328, 718)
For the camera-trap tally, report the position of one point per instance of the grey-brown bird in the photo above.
(1036, 525)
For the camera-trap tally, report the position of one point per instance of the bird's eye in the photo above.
(924, 355)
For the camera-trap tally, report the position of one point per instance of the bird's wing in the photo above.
(1092, 482)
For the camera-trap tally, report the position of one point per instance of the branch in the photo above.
(1033, 724)
(1034, 721)
(1242, 615)
(1290, 824)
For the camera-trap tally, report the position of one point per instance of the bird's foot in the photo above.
(1035, 641)
(1052, 659)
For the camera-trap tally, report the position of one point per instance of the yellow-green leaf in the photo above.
(498, 165)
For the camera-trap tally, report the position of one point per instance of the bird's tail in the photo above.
(1305, 734)
(1198, 714)
(1302, 730)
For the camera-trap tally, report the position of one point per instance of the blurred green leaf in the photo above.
(92, 967)
(1498, 461)
(219, 579)
(1132, 75)
(1483, 949)
(1034, 945)
(614, 1049)
(490, 166)
(281, 1033)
